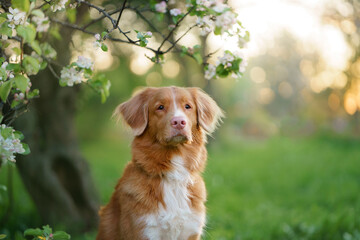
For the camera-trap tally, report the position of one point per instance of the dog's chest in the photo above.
(176, 220)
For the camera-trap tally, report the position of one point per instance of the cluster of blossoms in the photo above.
(70, 76)
(175, 12)
(230, 62)
(160, 7)
(97, 43)
(142, 36)
(76, 72)
(8, 73)
(10, 143)
(16, 17)
(214, 15)
(58, 5)
(42, 23)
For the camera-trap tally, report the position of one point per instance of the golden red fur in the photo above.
(161, 194)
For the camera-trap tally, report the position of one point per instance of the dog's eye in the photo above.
(161, 107)
(187, 106)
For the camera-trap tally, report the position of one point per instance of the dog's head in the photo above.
(170, 115)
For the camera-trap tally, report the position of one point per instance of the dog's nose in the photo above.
(178, 122)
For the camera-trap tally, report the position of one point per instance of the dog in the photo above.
(161, 194)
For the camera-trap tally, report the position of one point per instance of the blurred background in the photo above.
(285, 164)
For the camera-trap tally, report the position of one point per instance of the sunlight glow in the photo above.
(258, 75)
(350, 103)
(268, 19)
(138, 64)
(171, 69)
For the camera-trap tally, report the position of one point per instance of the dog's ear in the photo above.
(135, 111)
(209, 114)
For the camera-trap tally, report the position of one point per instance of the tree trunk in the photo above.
(55, 173)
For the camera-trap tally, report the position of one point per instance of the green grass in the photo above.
(280, 188)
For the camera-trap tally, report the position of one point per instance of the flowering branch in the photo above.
(29, 24)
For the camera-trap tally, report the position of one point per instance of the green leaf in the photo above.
(14, 67)
(33, 232)
(60, 235)
(217, 30)
(6, 30)
(21, 82)
(71, 15)
(160, 16)
(28, 32)
(16, 50)
(22, 5)
(36, 46)
(184, 51)
(101, 85)
(198, 57)
(54, 31)
(142, 43)
(5, 90)
(38, 13)
(33, 93)
(2, 20)
(19, 135)
(2, 236)
(103, 34)
(47, 230)
(26, 148)
(104, 47)
(31, 65)
(43, 65)
(48, 50)
(3, 74)
(14, 103)
(6, 132)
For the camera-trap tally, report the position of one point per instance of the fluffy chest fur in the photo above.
(175, 219)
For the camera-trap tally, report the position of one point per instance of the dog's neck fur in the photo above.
(155, 159)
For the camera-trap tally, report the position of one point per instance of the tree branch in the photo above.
(121, 11)
(176, 26)
(177, 40)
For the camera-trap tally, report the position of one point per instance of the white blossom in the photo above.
(210, 72)
(220, 7)
(97, 44)
(16, 17)
(228, 57)
(4, 37)
(161, 7)
(148, 34)
(9, 73)
(84, 62)
(19, 97)
(97, 37)
(206, 25)
(4, 65)
(225, 21)
(70, 76)
(58, 5)
(243, 65)
(175, 12)
(9, 145)
(42, 23)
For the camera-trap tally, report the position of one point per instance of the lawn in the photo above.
(279, 188)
